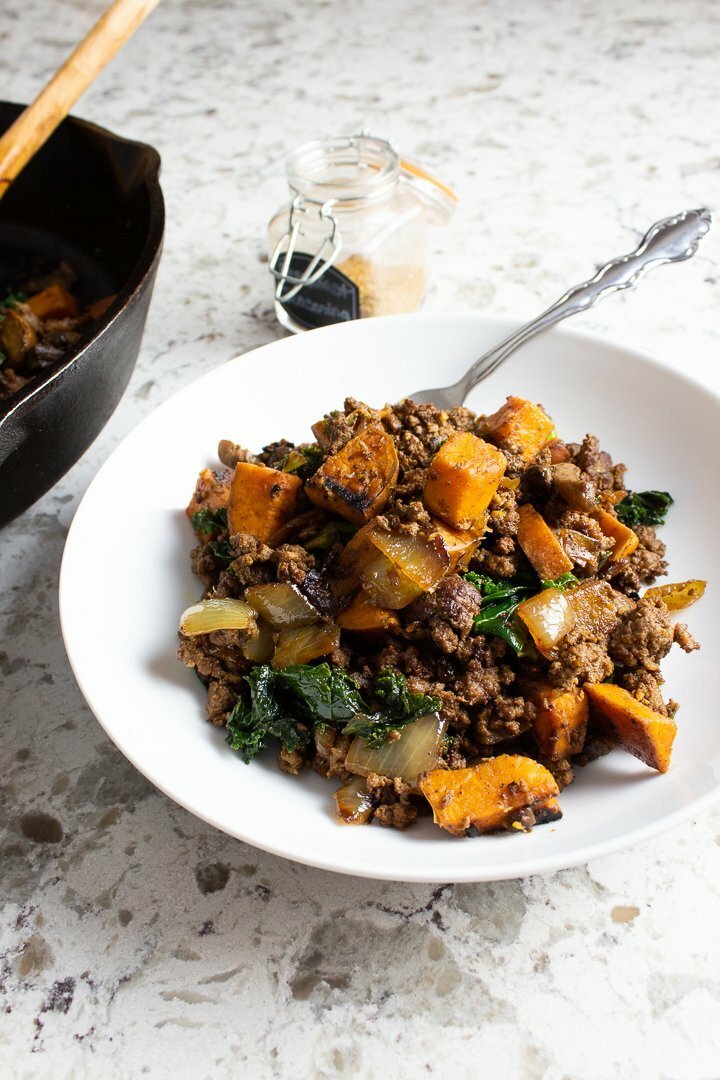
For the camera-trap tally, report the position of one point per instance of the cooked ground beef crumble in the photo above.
(487, 690)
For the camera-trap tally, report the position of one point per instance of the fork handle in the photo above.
(38, 121)
(670, 240)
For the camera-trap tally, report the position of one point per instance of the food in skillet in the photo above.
(440, 611)
(39, 324)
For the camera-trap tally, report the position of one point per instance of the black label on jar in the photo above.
(332, 298)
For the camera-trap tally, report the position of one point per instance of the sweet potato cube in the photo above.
(625, 539)
(54, 303)
(462, 479)
(261, 500)
(362, 615)
(646, 734)
(519, 426)
(541, 545)
(212, 492)
(357, 481)
(489, 795)
(560, 723)
(459, 545)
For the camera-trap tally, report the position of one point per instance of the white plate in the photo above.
(125, 580)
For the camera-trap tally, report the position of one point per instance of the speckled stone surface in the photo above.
(134, 939)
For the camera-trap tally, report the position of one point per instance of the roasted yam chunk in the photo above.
(541, 545)
(679, 596)
(641, 731)
(519, 426)
(212, 492)
(363, 616)
(625, 539)
(54, 303)
(462, 479)
(357, 481)
(261, 500)
(17, 337)
(489, 795)
(560, 723)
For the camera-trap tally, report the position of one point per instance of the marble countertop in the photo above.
(136, 940)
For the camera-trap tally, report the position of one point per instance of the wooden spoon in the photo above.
(37, 123)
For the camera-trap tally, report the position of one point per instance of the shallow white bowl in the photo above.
(126, 578)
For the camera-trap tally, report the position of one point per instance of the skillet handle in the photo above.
(36, 124)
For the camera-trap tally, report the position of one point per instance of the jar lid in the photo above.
(343, 169)
(439, 198)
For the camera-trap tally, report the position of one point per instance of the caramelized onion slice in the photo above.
(217, 614)
(281, 605)
(386, 585)
(353, 802)
(549, 616)
(300, 645)
(422, 559)
(259, 648)
(679, 596)
(415, 751)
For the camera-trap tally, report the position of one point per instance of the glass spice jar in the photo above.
(351, 243)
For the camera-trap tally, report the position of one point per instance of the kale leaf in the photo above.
(498, 609)
(564, 582)
(397, 701)
(288, 704)
(12, 299)
(222, 550)
(398, 706)
(644, 507)
(303, 460)
(324, 694)
(210, 521)
(252, 722)
(333, 532)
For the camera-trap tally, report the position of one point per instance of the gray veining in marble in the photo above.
(135, 940)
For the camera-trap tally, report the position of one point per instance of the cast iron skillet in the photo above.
(93, 199)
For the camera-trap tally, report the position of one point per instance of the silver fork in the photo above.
(671, 240)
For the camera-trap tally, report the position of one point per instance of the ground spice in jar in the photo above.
(351, 244)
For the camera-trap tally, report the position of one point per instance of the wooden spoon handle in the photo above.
(37, 123)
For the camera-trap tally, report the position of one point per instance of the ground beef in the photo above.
(501, 558)
(291, 761)
(221, 699)
(205, 564)
(446, 615)
(292, 563)
(253, 564)
(561, 770)
(577, 660)
(395, 803)
(505, 718)
(683, 638)
(644, 565)
(643, 637)
(645, 687)
(503, 517)
(330, 752)
(216, 656)
(597, 464)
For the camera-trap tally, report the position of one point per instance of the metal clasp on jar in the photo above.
(289, 285)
